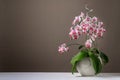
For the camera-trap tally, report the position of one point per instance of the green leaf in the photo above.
(95, 62)
(104, 57)
(82, 54)
(94, 50)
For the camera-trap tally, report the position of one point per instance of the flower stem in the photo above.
(88, 10)
(73, 44)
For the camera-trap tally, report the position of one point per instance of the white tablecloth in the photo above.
(55, 76)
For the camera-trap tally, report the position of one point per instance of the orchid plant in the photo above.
(93, 29)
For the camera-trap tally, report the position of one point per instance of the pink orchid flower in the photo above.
(63, 48)
(88, 43)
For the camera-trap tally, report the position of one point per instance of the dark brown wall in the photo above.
(31, 30)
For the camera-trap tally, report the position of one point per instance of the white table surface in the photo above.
(55, 76)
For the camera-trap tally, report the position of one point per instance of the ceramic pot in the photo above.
(85, 68)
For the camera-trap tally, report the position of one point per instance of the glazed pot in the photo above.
(85, 68)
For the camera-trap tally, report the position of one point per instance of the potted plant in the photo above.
(89, 60)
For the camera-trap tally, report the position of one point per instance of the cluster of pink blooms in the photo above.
(63, 48)
(85, 25)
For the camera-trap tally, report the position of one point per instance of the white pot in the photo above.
(85, 68)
